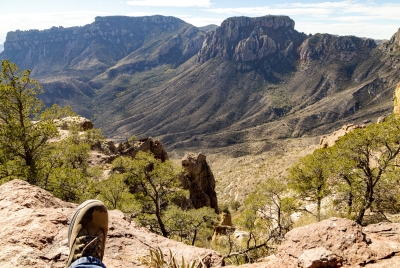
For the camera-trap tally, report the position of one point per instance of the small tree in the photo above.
(25, 127)
(266, 216)
(69, 175)
(309, 177)
(154, 184)
(114, 192)
(187, 224)
(364, 159)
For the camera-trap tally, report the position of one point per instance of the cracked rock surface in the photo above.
(34, 227)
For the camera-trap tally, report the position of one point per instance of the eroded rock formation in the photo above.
(34, 229)
(250, 39)
(104, 152)
(200, 181)
(145, 145)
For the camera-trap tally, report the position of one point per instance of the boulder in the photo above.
(34, 227)
(337, 242)
(200, 181)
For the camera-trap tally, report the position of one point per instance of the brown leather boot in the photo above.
(87, 231)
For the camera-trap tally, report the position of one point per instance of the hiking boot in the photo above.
(87, 231)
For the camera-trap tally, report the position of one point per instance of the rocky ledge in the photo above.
(34, 226)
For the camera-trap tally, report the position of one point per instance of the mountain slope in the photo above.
(249, 79)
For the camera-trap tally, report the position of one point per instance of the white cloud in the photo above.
(142, 14)
(360, 29)
(171, 3)
(336, 9)
(270, 10)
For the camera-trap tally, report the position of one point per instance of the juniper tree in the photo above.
(309, 177)
(155, 184)
(26, 125)
(367, 159)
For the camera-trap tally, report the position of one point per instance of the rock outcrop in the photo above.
(200, 181)
(104, 152)
(326, 48)
(393, 45)
(34, 228)
(248, 39)
(83, 123)
(149, 145)
(329, 141)
(340, 243)
(396, 98)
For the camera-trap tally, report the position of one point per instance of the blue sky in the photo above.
(377, 19)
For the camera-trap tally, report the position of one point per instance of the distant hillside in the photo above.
(1, 47)
(208, 28)
(249, 79)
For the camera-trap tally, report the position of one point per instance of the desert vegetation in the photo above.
(359, 174)
(145, 188)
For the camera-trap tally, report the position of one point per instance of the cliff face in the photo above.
(327, 48)
(247, 39)
(98, 46)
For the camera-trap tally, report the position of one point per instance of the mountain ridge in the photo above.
(249, 79)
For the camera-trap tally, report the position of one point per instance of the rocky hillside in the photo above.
(34, 229)
(340, 243)
(251, 79)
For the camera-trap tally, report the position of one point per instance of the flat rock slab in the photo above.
(34, 227)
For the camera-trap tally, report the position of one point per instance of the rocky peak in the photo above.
(247, 39)
(327, 47)
(393, 45)
(395, 39)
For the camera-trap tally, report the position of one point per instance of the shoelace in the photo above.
(93, 247)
